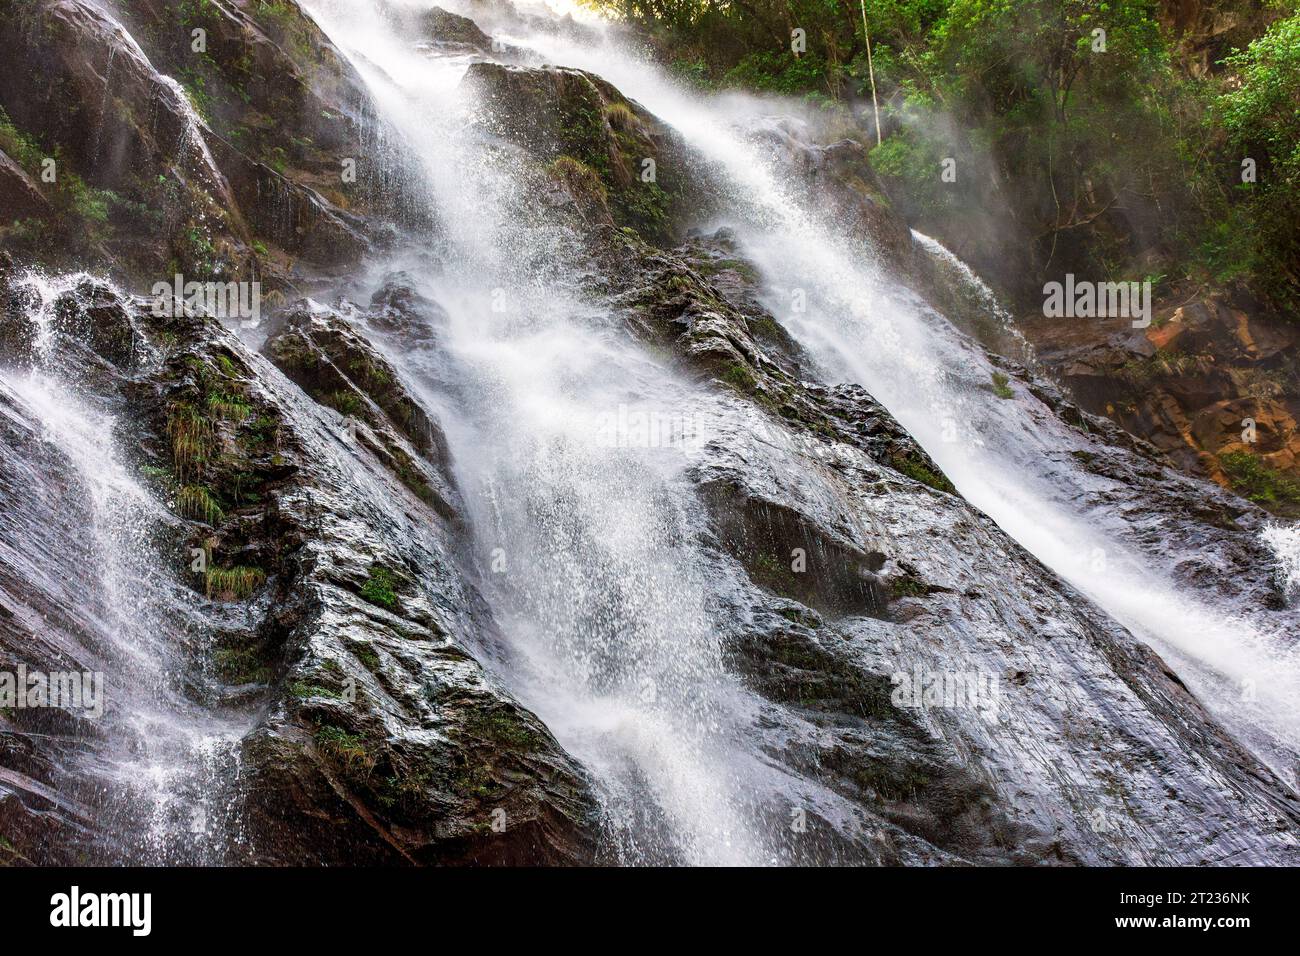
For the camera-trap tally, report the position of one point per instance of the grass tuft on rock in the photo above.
(380, 588)
(233, 584)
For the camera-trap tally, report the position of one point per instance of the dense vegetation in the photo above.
(1102, 137)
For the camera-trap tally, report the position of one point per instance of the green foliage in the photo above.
(779, 72)
(20, 147)
(1253, 479)
(232, 408)
(345, 403)
(915, 161)
(233, 584)
(192, 438)
(345, 749)
(195, 85)
(380, 588)
(240, 665)
(196, 501)
(1068, 156)
(1002, 386)
(1262, 119)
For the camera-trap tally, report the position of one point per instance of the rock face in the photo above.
(910, 578)
(271, 556)
(213, 153)
(618, 162)
(1214, 387)
(1206, 32)
(329, 617)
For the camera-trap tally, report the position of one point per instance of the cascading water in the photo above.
(1285, 542)
(625, 524)
(166, 765)
(1011, 458)
(587, 550)
(586, 538)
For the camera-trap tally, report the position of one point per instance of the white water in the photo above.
(167, 755)
(587, 553)
(1009, 458)
(587, 550)
(1284, 540)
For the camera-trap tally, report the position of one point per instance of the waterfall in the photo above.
(165, 763)
(529, 491)
(1284, 540)
(1010, 458)
(586, 543)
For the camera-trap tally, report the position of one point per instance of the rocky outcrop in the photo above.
(325, 605)
(19, 195)
(270, 557)
(857, 564)
(618, 162)
(1212, 386)
(837, 179)
(453, 32)
(229, 167)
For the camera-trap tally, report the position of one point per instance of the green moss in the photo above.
(580, 179)
(303, 689)
(345, 403)
(621, 116)
(1002, 386)
(918, 470)
(367, 655)
(379, 588)
(502, 727)
(908, 587)
(740, 377)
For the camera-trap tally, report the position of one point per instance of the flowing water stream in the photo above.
(589, 536)
(165, 765)
(550, 371)
(1009, 458)
(586, 534)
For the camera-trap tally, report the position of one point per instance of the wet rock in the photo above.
(1204, 381)
(196, 177)
(325, 356)
(19, 195)
(838, 179)
(615, 158)
(451, 30)
(331, 617)
(827, 472)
